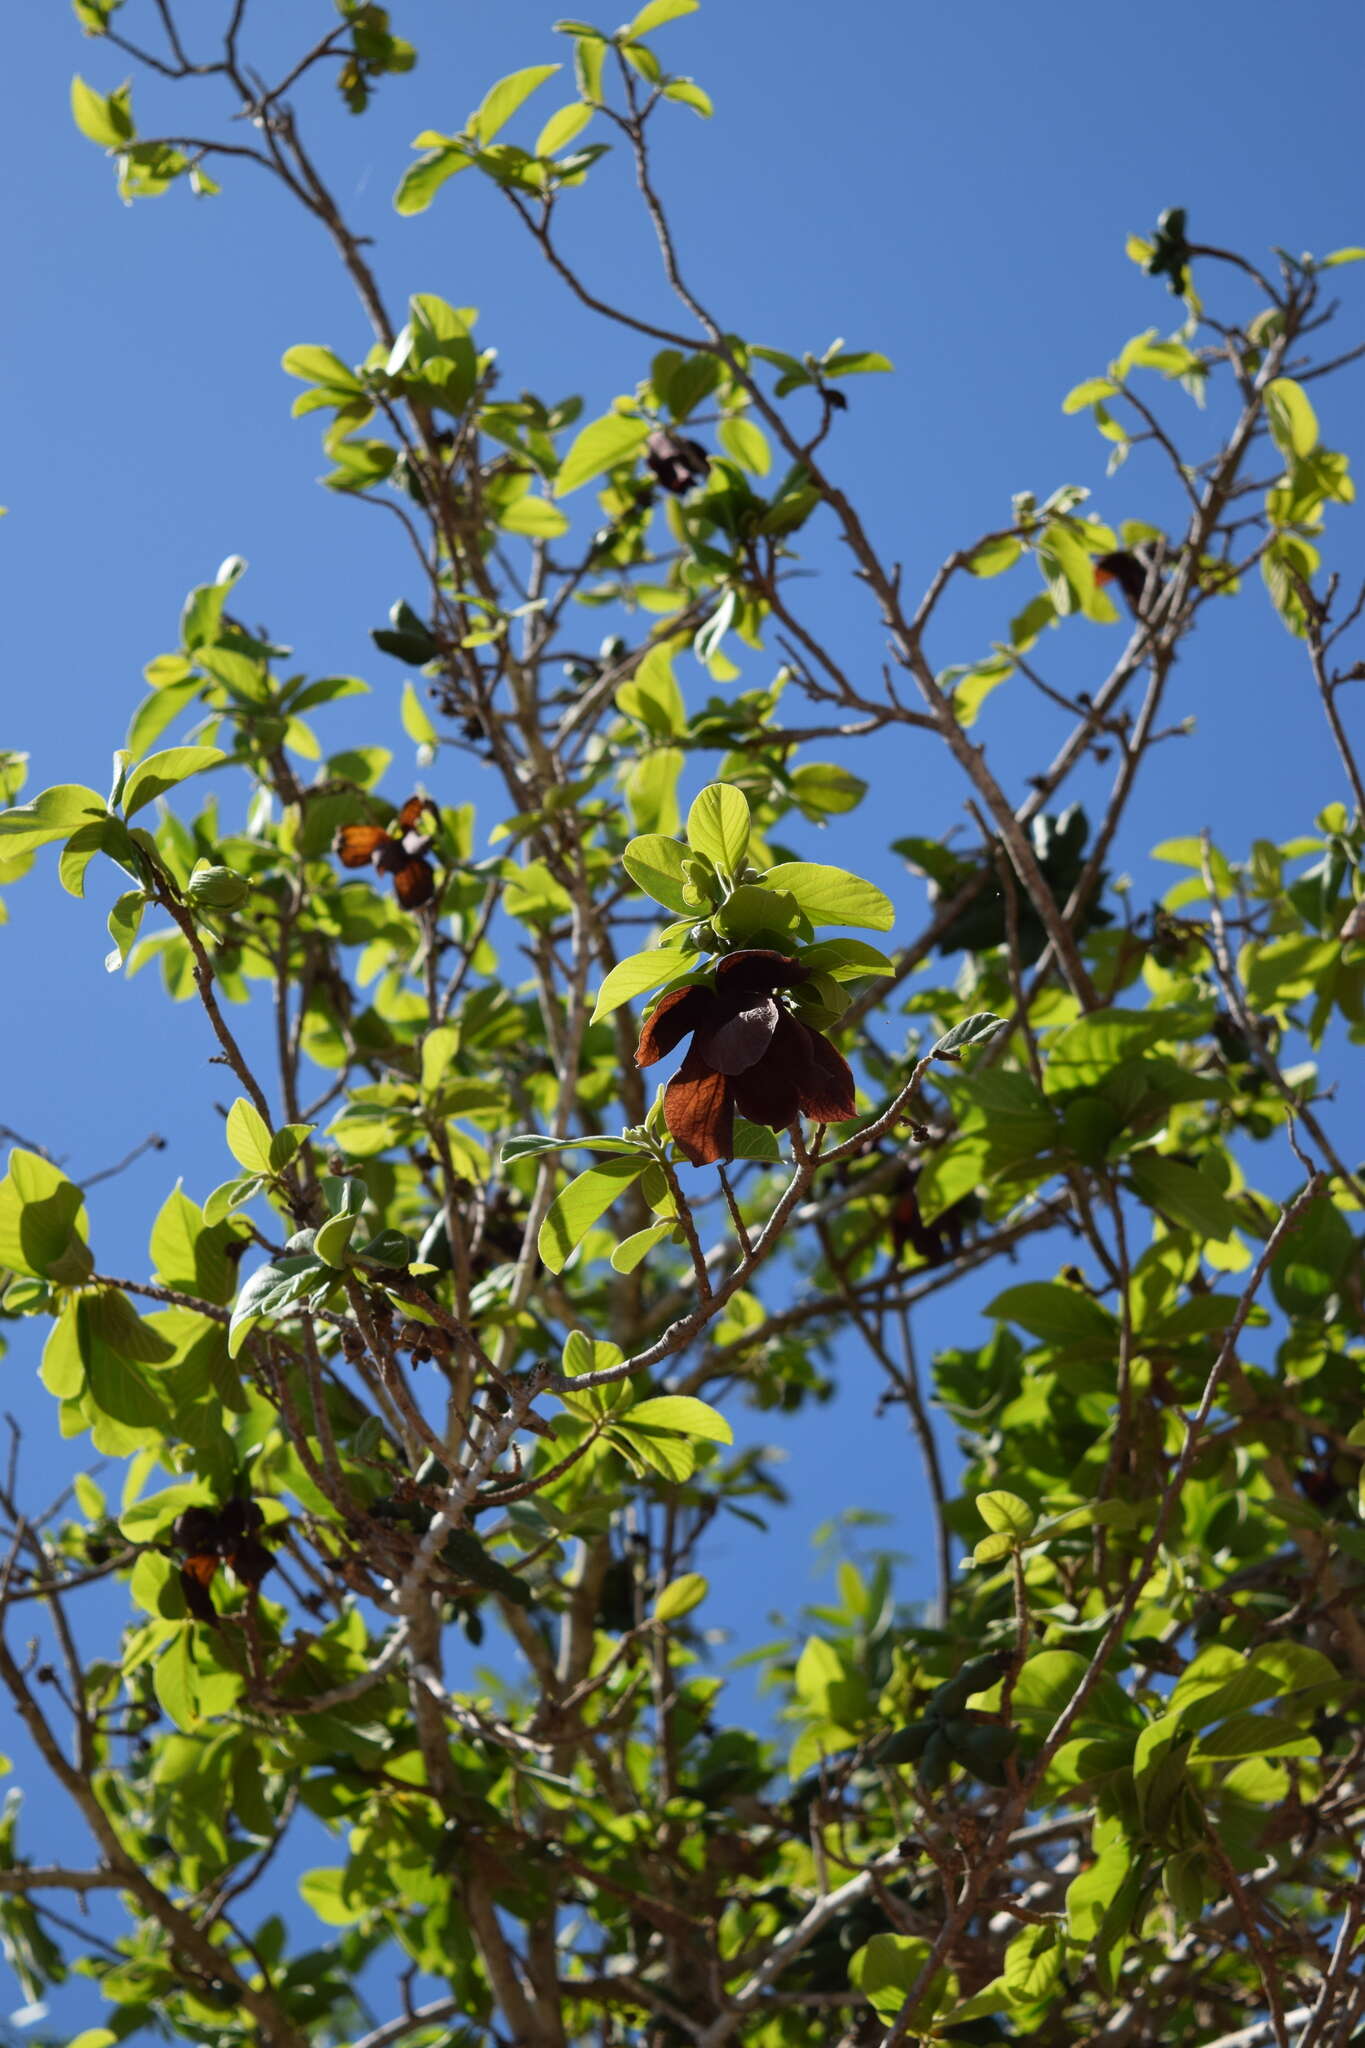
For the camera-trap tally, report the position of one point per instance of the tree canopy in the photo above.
(472, 1342)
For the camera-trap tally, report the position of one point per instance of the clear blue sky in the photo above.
(950, 184)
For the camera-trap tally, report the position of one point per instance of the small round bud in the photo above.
(218, 889)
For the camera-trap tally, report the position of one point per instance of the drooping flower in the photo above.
(677, 462)
(748, 1053)
(401, 853)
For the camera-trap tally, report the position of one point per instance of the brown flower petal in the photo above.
(698, 1112)
(731, 1044)
(414, 883)
(828, 1091)
(355, 846)
(758, 970)
(673, 1016)
(770, 1092)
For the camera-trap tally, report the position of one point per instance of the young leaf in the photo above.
(656, 13)
(423, 179)
(977, 1029)
(55, 814)
(680, 1596)
(615, 438)
(1005, 1513)
(639, 972)
(502, 100)
(160, 772)
(656, 865)
(42, 1221)
(718, 826)
(248, 1137)
(682, 1412)
(577, 1207)
(832, 896)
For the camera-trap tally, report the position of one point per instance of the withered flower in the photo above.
(748, 1053)
(677, 462)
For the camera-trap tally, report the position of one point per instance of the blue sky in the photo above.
(951, 185)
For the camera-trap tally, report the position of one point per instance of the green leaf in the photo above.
(108, 121)
(577, 1207)
(42, 1222)
(884, 1970)
(748, 445)
(333, 1238)
(1005, 1513)
(718, 826)
(112, 1320)
(588, 1354)
(463, 1552)
(832, 896)
(1033, 1963)
(856, 362)
(1091, 392)
(656, 13)
(617, 437)
(1186, 1195)
(978, 1029)
(270, 1291)
(55, 814)
(423, 179)
(996, 556)
(682, 1412)
(534, 516)
(638, 972)
(502, 100)
(1258, 1735)
(1293, 422)
(1056, 1313)
(971, 690)
(317, 365)
(823, 790)
(187, 1254)
(416, 720)
(285, 1144)
(655, 864)
(229, 1196)
(652, 695)
(680, 1596)
(535, 1147)
(634, 1249)
(174, 1681)
(160, 772)
(687, 93)
(248, 1137)
(81, 848)
(561, 128)
(63, 1368)
(118, 1388)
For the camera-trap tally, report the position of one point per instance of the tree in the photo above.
(476, 1336)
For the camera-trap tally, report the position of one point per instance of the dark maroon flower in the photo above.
(748, 1053)
(677, 462)
(210, 1536)
(1128, 568)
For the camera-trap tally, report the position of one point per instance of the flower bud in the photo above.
(218, 889)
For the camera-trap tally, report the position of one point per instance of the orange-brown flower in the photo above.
(748, 1053)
